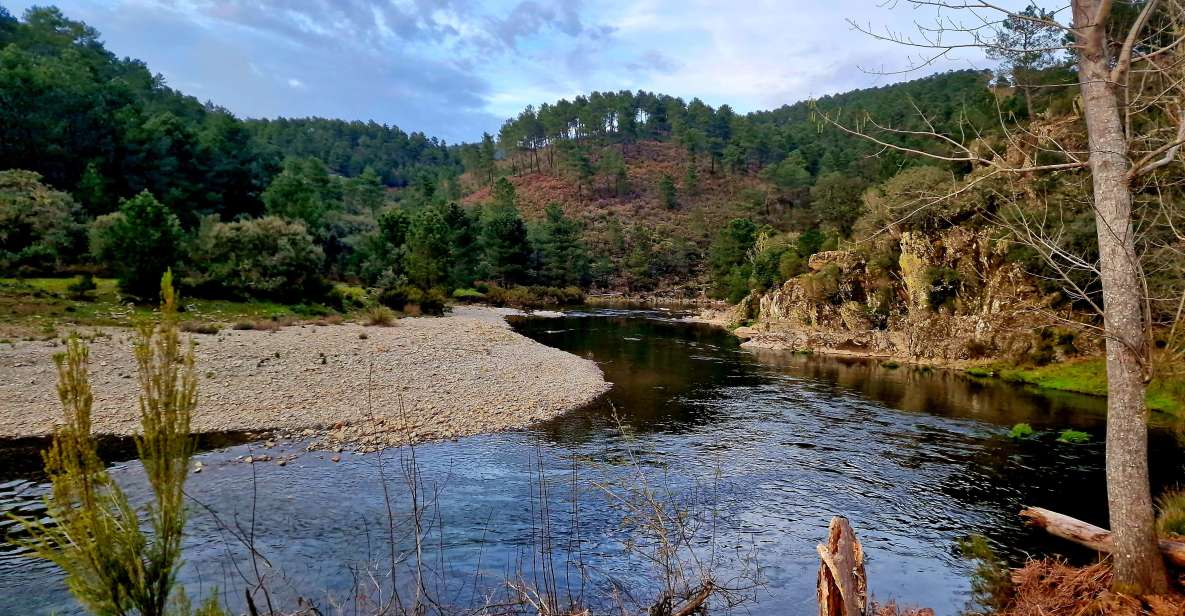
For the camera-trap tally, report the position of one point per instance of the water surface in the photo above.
(760, 448)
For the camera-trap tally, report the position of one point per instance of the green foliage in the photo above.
(38, 233)
(790, 173)
(94, 534)
(426, 255)
(729, 259)
(82, 288)
(304, 191)
(1020, 430)
(561, 259)
(468, 295)
(1073, 436)
(505, 251)
(262, 258)
(837, 201)
(667, 192)
(531, 297)
(810, 242)
(352, 149)
(139, 243)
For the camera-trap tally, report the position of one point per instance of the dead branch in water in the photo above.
(1091, 536)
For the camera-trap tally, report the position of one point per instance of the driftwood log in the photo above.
(843, 587)
(1091, 536)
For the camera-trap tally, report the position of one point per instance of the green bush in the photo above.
(1021, 430)
(38, 232)
(345, 298)
(468, 295)
(82, 288)
(139, 243)
(379, 315)
(1073, 436)
(262, 258)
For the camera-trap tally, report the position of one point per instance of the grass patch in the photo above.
(31, 306)
(379, 315)
(1086, 376)
(1170, 518)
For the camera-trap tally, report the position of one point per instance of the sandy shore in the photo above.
(361, 387)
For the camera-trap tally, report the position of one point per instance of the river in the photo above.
(757, 450)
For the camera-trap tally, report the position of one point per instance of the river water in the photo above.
(755, 451)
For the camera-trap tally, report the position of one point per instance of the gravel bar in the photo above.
(340, 385)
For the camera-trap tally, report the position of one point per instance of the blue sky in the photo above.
(455, 68)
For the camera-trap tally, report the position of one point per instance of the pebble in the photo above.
(424, 379)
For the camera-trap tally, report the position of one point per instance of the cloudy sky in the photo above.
(455, 68)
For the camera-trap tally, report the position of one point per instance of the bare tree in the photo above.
(1129, 62)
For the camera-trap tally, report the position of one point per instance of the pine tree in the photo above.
(667, 192)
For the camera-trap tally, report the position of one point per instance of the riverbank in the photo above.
(1087, 375)
(344, 385)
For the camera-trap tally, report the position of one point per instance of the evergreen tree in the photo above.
(561, 258)
(667, 192)
(427, 254)
(139, 242)
(504, 245)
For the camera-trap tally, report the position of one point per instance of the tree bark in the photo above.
(842, 583)
(1138, 565)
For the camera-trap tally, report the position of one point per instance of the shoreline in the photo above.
(342, 386)
(987, 368)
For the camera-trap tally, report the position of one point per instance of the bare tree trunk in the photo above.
(1139, 566)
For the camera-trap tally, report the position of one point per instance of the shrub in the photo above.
(1073, 436)
(243, 325)
(433, 302)
(1021, 430)
(139, 243)
(346, 298)
(312, 310)
(976, 349)
(82, 288)
(468, 295)
(94, 534)
(944, 285)
(267, 257)
(379, 315)
(37, 227)
(823, 285)
(199, 327)
(1170, 518)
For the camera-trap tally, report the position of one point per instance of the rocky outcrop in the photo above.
(949, 296)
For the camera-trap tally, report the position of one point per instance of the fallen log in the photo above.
(843, 586)
(1091, 536)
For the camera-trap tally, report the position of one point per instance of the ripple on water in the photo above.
(770, 444)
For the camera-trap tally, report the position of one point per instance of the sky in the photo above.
(455, 68)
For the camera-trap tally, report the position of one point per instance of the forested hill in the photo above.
(349, 148)
(643, 182)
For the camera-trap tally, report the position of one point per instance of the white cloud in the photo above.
(295, 83)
